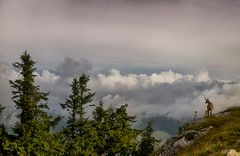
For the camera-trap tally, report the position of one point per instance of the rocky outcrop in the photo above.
(172, 146)
(231, 152)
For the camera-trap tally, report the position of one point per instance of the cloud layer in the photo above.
(167, 93)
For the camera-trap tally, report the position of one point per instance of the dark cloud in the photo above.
(71, 67)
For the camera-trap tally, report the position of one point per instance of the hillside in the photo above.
(216, 135)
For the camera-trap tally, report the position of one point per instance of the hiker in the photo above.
(209, 107)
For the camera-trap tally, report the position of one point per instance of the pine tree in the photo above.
(146, 146)
(32, 132)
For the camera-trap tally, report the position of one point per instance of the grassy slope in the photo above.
(225, 135)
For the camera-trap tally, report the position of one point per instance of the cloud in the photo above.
(203, 76)
(115, 80)
(71, 67)
(47, 77)
(168, 93)
(6, 74)
(165, 94)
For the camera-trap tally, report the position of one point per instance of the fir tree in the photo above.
(76, 103)
(146, 146)
(80, 135)
(114, 129)
(99, 122)
(121, 137)
(33, 135)
(1, 109)
(3, 133)
(71, 105)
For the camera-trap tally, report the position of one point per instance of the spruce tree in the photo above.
(27, 96)
(71, 105)
(114, 129)
(146, 146)
(1, 109)
(76, 103)
(122, 136)
(99, 122)
(32, 132)
(3, 133)
(80, 135)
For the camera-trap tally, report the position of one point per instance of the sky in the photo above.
(162, 57)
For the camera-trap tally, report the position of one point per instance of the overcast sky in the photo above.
(138, 51)
(181, 34)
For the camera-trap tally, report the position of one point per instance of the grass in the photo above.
(224, 136)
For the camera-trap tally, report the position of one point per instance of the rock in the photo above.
(222, 114)
(232, 152)
(204, 131)
(181, 143)
(172, 146)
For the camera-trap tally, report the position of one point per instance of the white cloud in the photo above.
(203, 76)
(115, 80)
(167, 93)
(47, 77)
(168, 77)
(6, 72)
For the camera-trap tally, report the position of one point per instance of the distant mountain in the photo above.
(161, 123)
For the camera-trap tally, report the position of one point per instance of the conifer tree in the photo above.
(80, 135)
(32, 132)
(71, 105)
(27, 96)
(76, 103)
(146, 146)
(3, 133)
(100, 124)
(114, 129)
(122, 136)
(1, 109)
